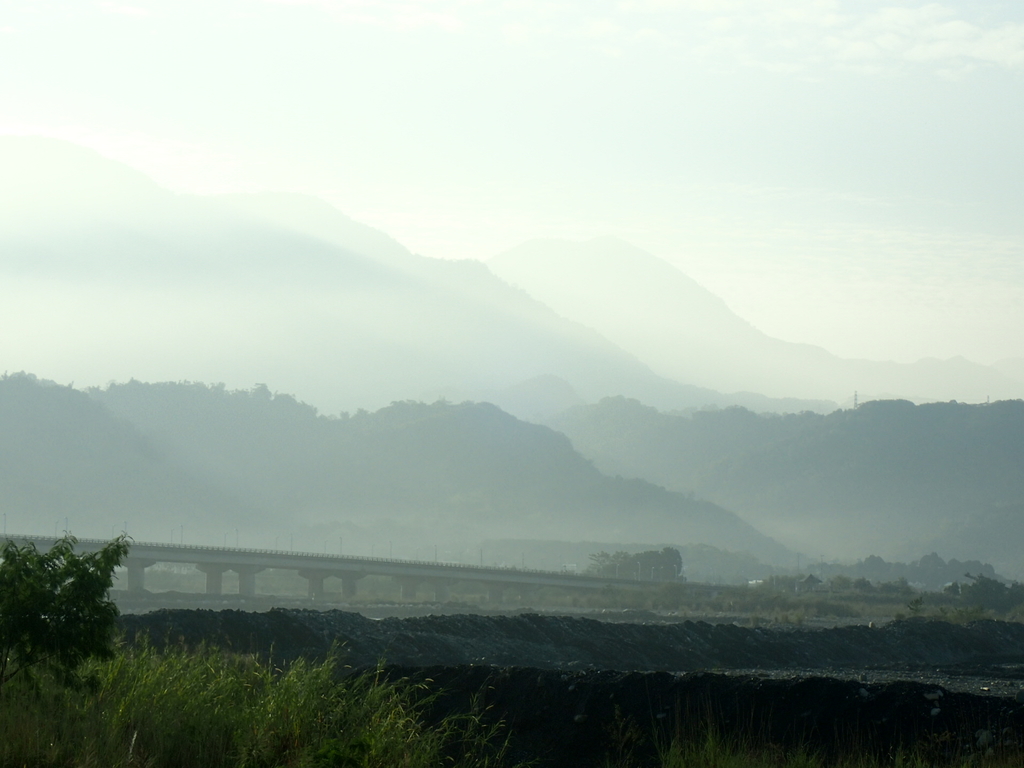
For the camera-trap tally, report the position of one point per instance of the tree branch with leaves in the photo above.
(55, 609)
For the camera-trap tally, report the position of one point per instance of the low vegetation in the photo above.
(212, 709)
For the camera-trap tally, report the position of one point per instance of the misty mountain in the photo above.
(112, 277)
(65, 456)
(889, 478)
(648, 307)
(159, 456)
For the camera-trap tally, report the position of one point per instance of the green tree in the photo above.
(652, 565)
(991, 594)
(55, 609)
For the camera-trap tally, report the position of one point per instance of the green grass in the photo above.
(211, 709)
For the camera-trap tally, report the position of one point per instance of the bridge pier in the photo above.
(348, 585)
(442, 589)
(349, 579)
(526, 590)
(137, 573)
(246, 579)
(495, 592)
(408, 586)
(316, 583)
(214, 577)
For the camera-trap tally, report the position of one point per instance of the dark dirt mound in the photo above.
(584, 718)
(555, 642)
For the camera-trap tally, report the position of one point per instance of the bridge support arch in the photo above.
(409, 586)
(442, 589)
(316, 581)
(349, 580)
(348, 585)
(246, 578)
(495, 592)
(214, 577)
(137, 573)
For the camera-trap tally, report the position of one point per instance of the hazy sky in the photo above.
(845, 173)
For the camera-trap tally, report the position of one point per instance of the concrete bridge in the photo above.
(317, 568)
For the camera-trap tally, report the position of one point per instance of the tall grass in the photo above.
(206, 709)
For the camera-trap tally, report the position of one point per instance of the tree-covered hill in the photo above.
(273, 467)
(889, 477)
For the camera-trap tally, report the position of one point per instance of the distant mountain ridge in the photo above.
(648, 307)
(889, 478)
(119, 278)
(162, 456)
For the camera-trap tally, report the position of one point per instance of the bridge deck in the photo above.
(316, 567)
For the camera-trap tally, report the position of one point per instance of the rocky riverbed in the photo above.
(572, 690)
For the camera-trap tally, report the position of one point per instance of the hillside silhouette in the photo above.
(65, 457)
(165, 455)
(684, 332)
(890, 478)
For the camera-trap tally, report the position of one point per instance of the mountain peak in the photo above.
(682, 331)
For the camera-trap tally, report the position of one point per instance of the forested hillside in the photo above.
(161, 456)
(889, 478)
